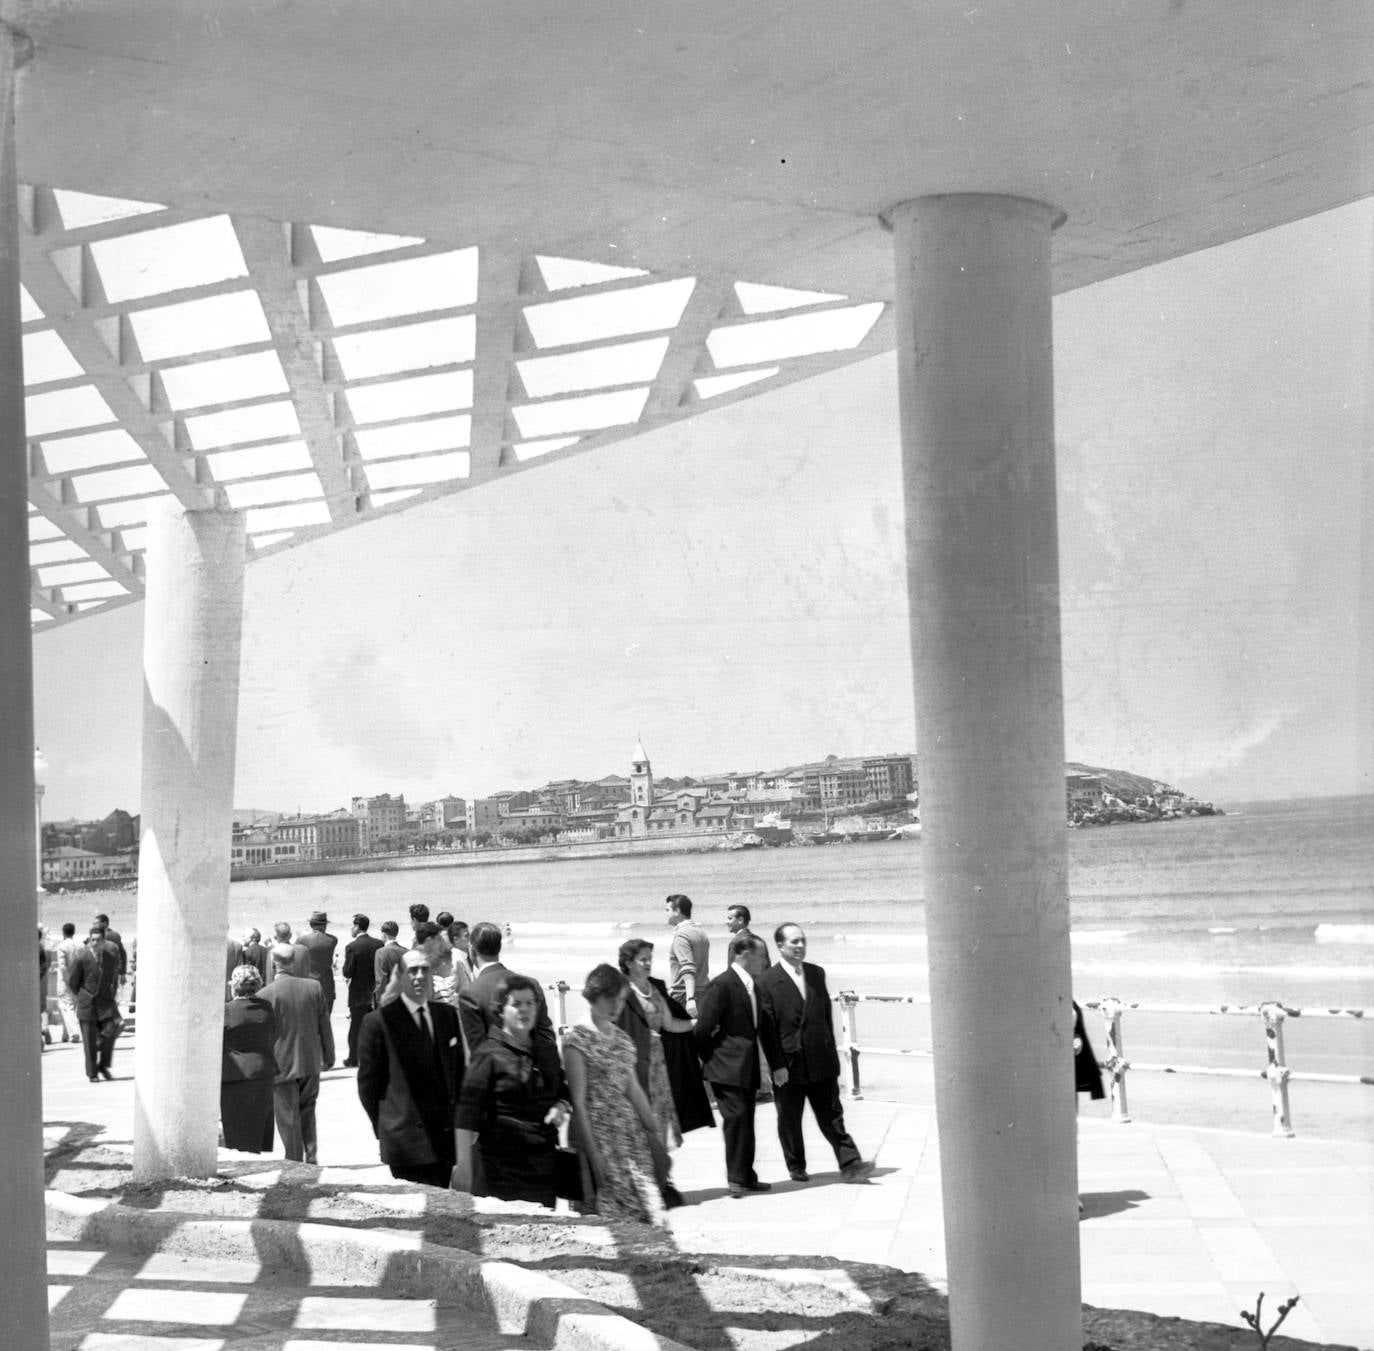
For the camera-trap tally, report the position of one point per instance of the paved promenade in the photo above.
(1189, 1222)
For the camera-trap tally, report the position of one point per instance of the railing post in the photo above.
(849, 1002)
(1277, 1070)
(563, 987)
(1116, 1063)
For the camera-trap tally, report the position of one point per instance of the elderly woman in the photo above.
(513, 1101)
(249, 1066)
(617, 1131)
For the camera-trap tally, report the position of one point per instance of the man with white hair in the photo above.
(304, 1046)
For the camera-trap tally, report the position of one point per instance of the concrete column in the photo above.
(40, 770)
(22, 1256)
(977, 413)
(191, 636)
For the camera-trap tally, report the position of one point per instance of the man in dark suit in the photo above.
(410, 1069)
(254, 953)
(304, 1046)
(727, 1041)
(474, 1000)
(799, 1039)
(385, 961)
(320, 946)
(359, 971)
(93, 977)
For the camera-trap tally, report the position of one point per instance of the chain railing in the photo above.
(1115, 1064)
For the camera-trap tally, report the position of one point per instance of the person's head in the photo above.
(69, 931)
(791, 941)
(283, 956)
(425, 932)
(605, 990)
(636, 958)
(254, 936)
(419, 913)
(361, 924)
(515, 1004)
(245, 980)
(390, 929)
(101, 919)
(96, 936)
(443, 919)
(750, 952)
(459, 935)
(417, 978)
(737, 918)
(319, 919)
(678, 907)
(485, 942)
(281, 931)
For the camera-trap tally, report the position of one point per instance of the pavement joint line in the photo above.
(518, 1301)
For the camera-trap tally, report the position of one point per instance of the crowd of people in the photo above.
(467, 1085)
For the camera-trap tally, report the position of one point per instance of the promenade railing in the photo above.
(1270, 1015)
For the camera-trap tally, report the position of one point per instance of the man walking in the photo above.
(799, 1039)
(688, 953)
(474, 1001)
(727, 1041)
(93, 978)
(319, 947)
(304, 1046)
(67, 951)
(410, 1068)
(359, 970)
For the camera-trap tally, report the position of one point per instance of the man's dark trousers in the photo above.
(824, 1097)
(736, 1107)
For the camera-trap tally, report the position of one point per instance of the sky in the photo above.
(731, 589)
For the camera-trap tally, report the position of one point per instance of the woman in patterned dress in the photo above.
(617, 1131)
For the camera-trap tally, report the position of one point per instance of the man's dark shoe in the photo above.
(857, 1172)
(105, 1074)
(94, 1079)
(738, 1189)
(799, 1175)
(672, 1198)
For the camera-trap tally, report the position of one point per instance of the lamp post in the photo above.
(40, 782)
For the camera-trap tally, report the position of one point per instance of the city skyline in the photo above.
(734, 587)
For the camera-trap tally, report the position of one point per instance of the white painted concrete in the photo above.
(191, 638)
(976, 389)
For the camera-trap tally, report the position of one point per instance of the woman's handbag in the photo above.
(567, 1173)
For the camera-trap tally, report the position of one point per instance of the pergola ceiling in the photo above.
(316, 377)
(356, 256)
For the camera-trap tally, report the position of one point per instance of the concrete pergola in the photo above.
(285, 268)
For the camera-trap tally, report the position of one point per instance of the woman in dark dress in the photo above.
(513, 1101)
(248, 1067)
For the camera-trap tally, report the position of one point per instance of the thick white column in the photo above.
(974, 360)
(22, 1257)
(192, 627)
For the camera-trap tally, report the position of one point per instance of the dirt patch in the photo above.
(708, 1301)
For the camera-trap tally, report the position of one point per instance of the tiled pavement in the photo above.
(1190, 1222)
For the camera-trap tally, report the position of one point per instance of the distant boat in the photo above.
(910, 831)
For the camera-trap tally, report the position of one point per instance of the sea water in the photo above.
(1273, 901)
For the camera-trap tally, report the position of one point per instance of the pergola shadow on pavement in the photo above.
(917, 158)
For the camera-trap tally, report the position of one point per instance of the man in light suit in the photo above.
(799, 1040)
(474, 1000)
(727, 1041)
(410, 1069)
(304, 1046)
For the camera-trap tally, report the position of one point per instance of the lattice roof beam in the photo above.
(266, 249)
(498, 320)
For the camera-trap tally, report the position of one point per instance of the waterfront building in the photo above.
(1084, 791)
(380, 817)
(889, 776)
(337, 835)
(68, 864)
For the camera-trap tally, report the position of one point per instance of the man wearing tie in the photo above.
(799, 1041)
(727, 1041)
(410, 1068)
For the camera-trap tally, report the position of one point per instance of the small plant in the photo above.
(1253, 1319)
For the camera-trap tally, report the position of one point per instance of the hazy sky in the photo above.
(731, 589)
